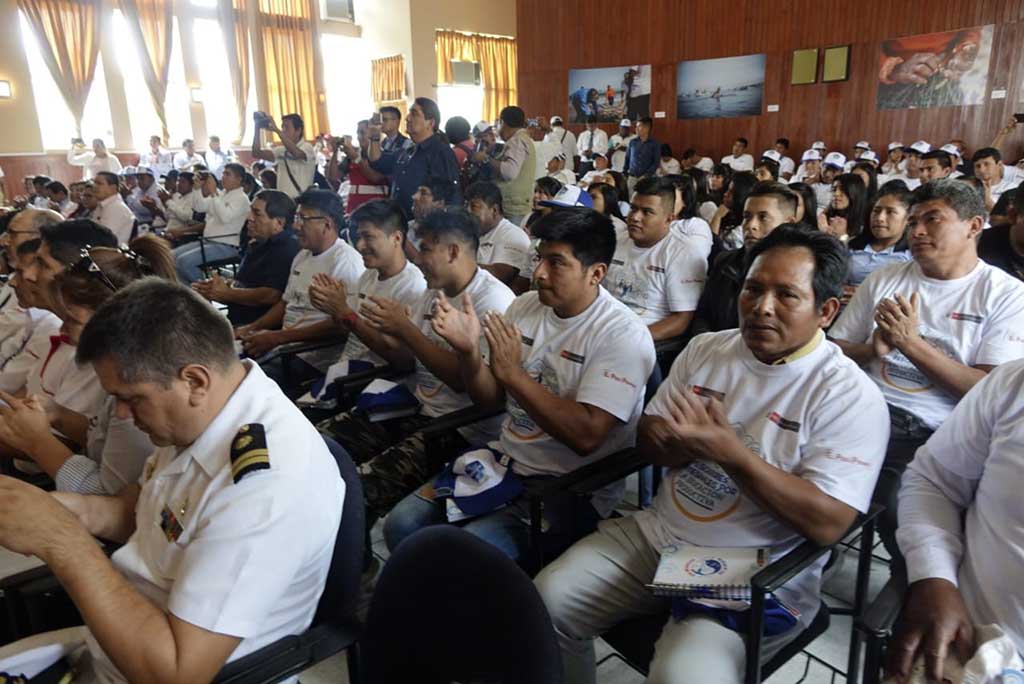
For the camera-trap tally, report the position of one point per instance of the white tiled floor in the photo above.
(831, 647)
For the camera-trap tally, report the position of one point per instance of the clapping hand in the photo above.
(898, 320)
(213, 288)
(330, 296)
(700, 430)
(461, 329)
(388, 316)
(506, 346)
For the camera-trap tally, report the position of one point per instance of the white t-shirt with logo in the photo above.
(340, 261)
(797, 417)
(696, 232)
(601, 357)
(506, 243)
(655, 282)
(407, 286)
(302, 169)
(436, 398)
(976, 320)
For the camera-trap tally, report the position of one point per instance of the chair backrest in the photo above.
(341, 595)
(449, 606)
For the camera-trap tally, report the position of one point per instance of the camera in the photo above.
(261, 119)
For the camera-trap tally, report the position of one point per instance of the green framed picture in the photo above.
(805, 67)
(836, 64)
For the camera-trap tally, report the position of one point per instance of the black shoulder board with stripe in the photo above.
(249, 451)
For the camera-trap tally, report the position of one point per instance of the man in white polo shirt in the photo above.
(961, 528)
(294, 318)
(618, 144)
(504, 246)
(739, 160)
(928, 330)
(294, 158)
(763, 450)
(568, 362)
(655, 271)
(226, 211)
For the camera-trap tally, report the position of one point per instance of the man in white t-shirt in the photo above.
(565, 138)
(928, 330)
(294, 318)
(294, 158)
(217, 157)
(618, 144)
(111, 211)
(961, 527)
(156, 157)
(380, 232)
(392, 454)
(95, 160)
(187, 159)
(503, 245)
(655, 272)
(787, 167)
(911, 174)
(762, 450)
(997, 178)
(739, 160)
(568, 362)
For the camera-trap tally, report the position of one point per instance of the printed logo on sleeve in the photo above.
(572, 356)
(611, 375)
(784, 423)
(970, 318)
(708, 392)
(656, 269)
(528, 341)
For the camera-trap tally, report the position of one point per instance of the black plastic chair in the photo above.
(634, 639)
(451, 607)
(877, 625)
(209, 266)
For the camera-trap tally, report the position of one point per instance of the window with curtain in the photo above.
(142, 116)
(56, 123)
(285, 42)
(497, 58)
(348, 100)
(218, 98)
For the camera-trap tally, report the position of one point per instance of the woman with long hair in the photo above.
(622, 188)
(688, 225)
(718, 184)
(728, 218)
(847, 212)
(606, 201)
(544, 188)
(885, 241)
(869, 174)
(115, 450)
(807, 204)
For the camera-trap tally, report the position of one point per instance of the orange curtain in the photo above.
(388, 79)
(235, 13)
(68, 35)
(151, 23)
(286, 39)
(498, 66)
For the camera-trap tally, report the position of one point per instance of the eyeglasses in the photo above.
(300, 219)
(85, 264)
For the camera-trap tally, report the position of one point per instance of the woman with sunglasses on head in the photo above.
(115, 449)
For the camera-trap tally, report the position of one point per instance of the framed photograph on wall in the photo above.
(836, 64)
(720, 88)
(805, 67)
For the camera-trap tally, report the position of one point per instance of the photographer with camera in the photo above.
(364, 183)
(295, 159)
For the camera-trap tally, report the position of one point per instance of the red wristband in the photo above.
(350, 319)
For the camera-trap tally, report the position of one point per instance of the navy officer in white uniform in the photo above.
(227, 538)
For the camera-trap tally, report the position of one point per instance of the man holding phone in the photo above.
(294, 158)
(386, 138)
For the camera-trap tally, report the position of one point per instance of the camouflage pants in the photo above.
(390, 455)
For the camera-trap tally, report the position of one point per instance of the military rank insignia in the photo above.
(249, 451)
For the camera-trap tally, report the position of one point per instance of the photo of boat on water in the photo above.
(720, 88)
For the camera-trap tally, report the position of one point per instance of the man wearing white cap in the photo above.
(869, 156)
(912, 174)
(895, 163)
(557, 169)
(810, 168)
(859, 148)
(831, 167)
(560, 135)
(144, 200)
(767, 168)
(821, 147)
(954, 152)
(618, 144)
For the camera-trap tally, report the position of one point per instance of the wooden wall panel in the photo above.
(554, 37)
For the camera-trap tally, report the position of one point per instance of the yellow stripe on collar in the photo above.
(802, 351)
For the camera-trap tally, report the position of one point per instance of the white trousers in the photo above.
(600, 582)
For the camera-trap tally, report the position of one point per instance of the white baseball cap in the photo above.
(773, 155)
(142, 170)
(868, 155)
(950, 148)
(556, 121)
(811, 155)
(863, 145)
(819, 145)
(921, 147)
(625, 123)
(570, 196)
(895, 145)
(836, 159)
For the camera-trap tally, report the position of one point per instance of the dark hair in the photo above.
(742, 140)
(67, 239)
(548, 185)
(785, 197)
(688, 152)
(806, 192)
(385, 214)
(147, 255)
(831, 258)
(452, 224)
(646, 120)
(189, 141)
(621, 186)
(297, 122)
(111, 178)
(272, 175)
(486, 191)
(856, 213)
(237, 169)
(41, 180)
(661, 187)
(986, 152)
(782, 141)
(966, 201)
(741, 184)
(590, 235)
(57, 186)
(457, 129)
(945, 161)
(278, 205)
(688, 185)
(213, 138)
(513, 116)
(392, 110)
(441, 189)
(430, 110)
(187, 175)
(771, 165)
(153, 328)
(898, 190)
(666, 150)
(869, 168)
(611, 198)
(325, 201)
(591, 119)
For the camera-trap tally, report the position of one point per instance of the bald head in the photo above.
(26, 225)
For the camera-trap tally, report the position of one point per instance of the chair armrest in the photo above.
(672, 345)
(456, 419)
(361, 379)
(881, 615)
(214, 238)
(289, 655)
(295, 348)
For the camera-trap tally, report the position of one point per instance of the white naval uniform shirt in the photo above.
(797, 417)
(248, 558)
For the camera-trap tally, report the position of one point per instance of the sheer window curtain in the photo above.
(68, 36)
(235, 14)
(152, 21)
(498, 66)
(388, 79)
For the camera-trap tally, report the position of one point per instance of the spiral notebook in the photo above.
(702, 572)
